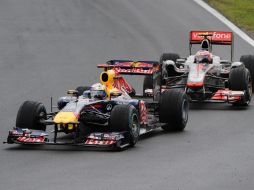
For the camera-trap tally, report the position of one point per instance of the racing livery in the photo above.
(206, 77)
(106, 114)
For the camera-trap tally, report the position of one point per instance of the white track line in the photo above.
(223, 19)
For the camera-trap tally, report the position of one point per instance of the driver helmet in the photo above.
(205, 44)
(87, 94)
(203, 56)
(97, 91)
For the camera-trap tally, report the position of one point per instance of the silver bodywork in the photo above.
(201, 81)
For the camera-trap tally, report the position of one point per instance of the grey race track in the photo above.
(48, 46)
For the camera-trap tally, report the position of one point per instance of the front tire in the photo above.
(240, 79)
(125, 118)
(168, 70)
(29, 115)
(173, 110)
(83, 132)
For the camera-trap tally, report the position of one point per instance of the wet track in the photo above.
(49, 46)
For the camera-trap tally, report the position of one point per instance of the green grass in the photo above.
(241, 12)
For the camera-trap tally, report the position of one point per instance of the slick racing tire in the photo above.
(240, 79)
(173, 110)
(82, 132)
(125, 118)
(168, 71)
(81, 89)
(248, 61)
(147, 83)
(29, 115)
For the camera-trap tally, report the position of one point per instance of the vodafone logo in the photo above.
(221, 35)
(216, 36)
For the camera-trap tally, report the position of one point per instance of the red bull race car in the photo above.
(206, 77)
(106, 114)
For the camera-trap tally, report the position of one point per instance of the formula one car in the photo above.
(206, 77)
(104, 115)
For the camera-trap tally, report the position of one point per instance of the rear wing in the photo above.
(129, 67)
(215, 38)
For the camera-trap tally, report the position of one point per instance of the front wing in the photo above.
(98, 139)
(225, 95)
(228, 95)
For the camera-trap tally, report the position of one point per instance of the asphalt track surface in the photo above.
(49, 46)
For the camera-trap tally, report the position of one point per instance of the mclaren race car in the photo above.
(106, 114)
(206, 77)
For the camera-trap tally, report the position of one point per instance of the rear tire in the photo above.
(125, 118)
(29, 115)
(240, 79)
(173, 110)
(81, 89)
(248, 61)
